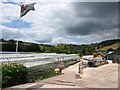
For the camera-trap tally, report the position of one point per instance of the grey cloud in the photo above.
(101, 17)
(44, 41)
(83, 29)
(90, 27)
(95, 9)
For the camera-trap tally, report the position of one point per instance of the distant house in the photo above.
(97, 59)
(115, 57)
(99, 56)
(110, 56)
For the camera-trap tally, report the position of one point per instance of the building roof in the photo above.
(110, 52)
(115, 53)
(99, 53)
(105, 53)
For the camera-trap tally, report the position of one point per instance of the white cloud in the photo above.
(48, 23)
(63, 40)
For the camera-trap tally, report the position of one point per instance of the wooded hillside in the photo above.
(84, 49)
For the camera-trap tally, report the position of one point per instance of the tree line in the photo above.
(84, 49)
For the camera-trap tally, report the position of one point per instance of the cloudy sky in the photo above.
(61, 22)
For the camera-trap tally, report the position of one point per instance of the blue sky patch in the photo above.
(14, 24)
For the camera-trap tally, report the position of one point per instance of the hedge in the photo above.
(13, 74)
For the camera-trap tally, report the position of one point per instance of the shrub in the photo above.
(13, 74)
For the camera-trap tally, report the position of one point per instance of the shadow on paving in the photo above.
(61, 82)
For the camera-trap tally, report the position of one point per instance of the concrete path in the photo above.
(68, 79)
(105, 76)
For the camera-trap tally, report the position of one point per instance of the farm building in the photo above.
(115, 56)
(97, 59)
(100, 56)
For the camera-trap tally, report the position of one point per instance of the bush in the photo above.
(13, 74)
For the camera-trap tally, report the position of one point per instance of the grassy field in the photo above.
(113, 46)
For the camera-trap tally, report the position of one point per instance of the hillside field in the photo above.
(113, 46)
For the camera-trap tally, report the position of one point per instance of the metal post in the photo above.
(17, 37)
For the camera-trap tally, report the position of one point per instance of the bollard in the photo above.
(80, 70)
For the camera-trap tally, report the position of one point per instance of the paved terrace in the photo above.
(105, 76)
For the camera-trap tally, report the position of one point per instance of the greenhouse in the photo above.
(33, 59)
